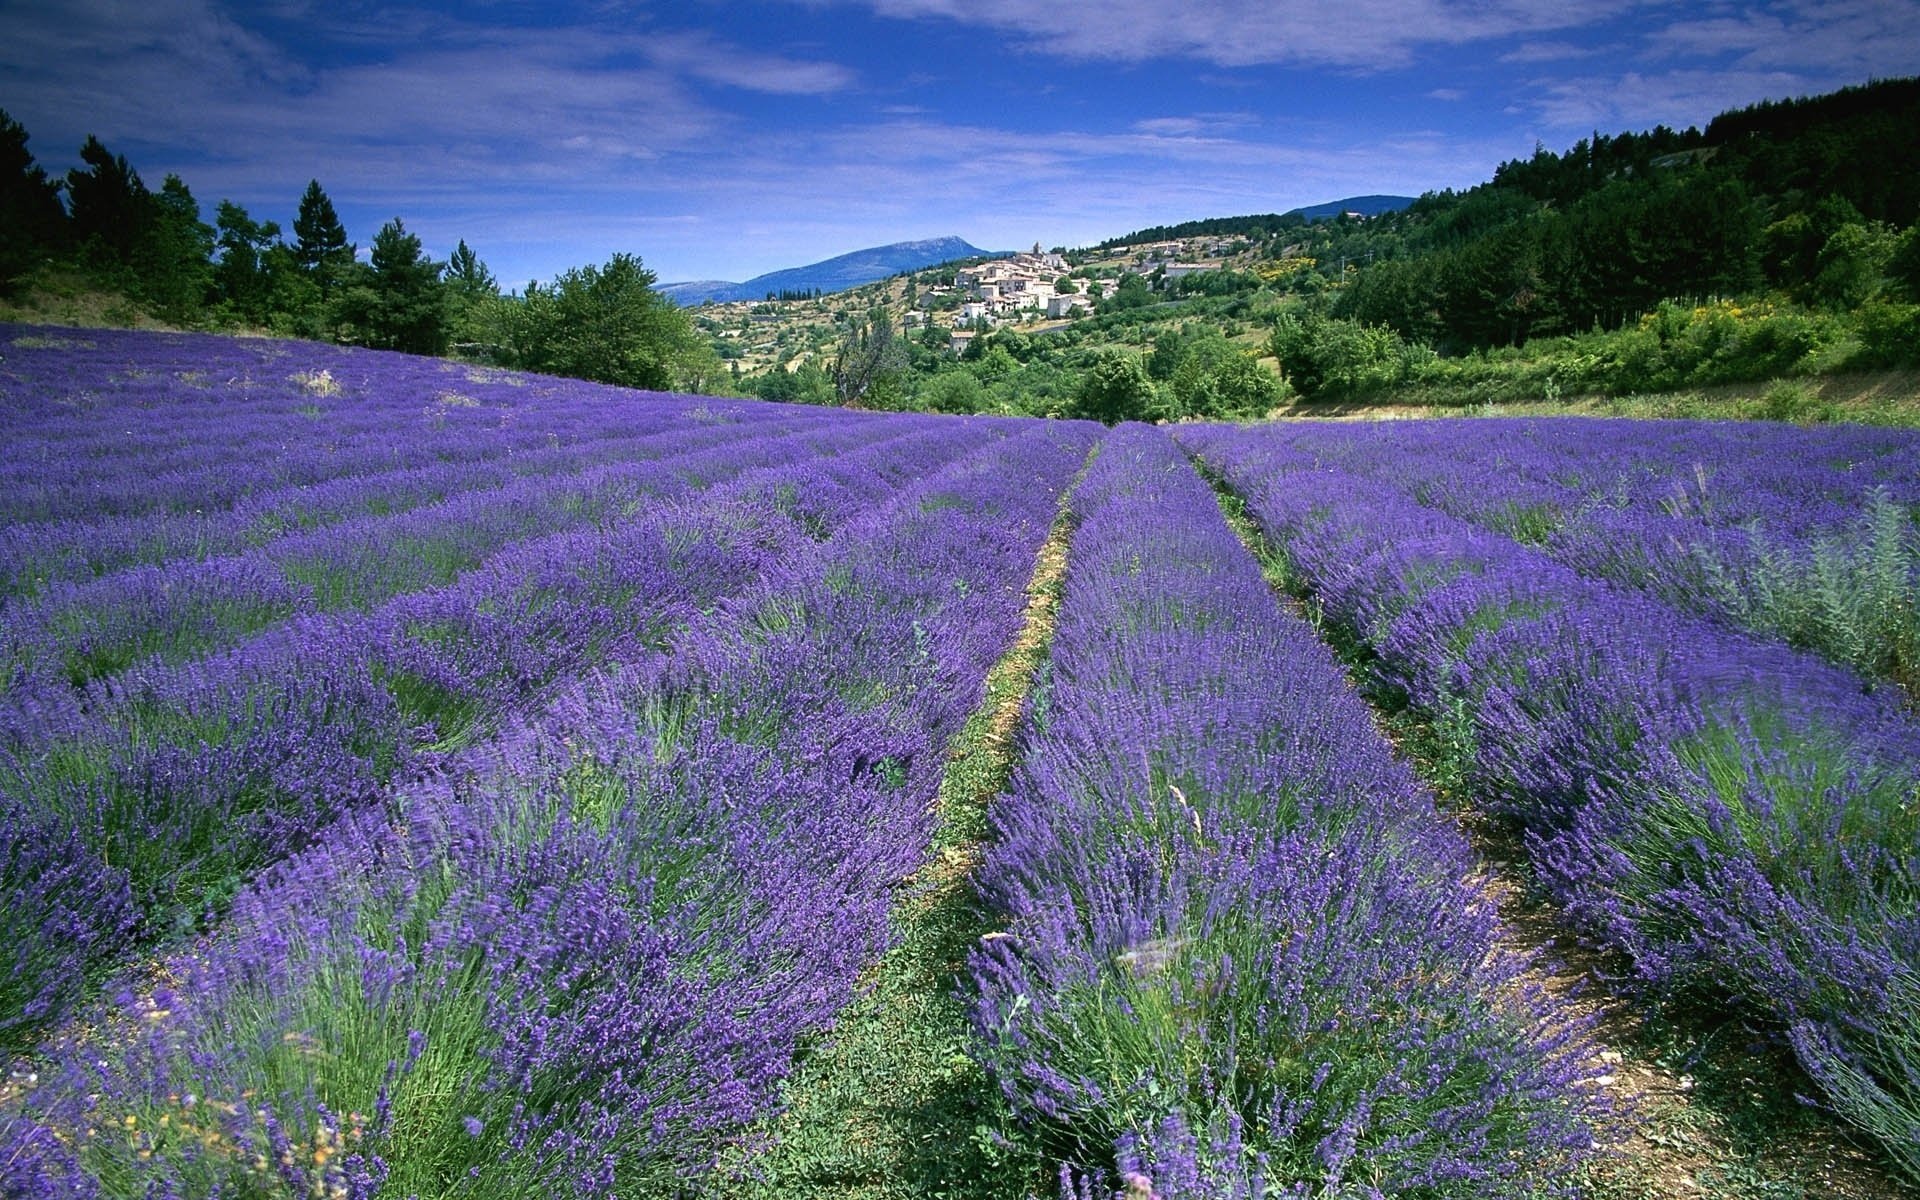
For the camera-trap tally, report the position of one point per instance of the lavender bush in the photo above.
(1806, 535)
(593, 945)
(1735, 815)
(1241, 955)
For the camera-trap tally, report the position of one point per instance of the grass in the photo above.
(1715, 1109)
(1867, 397)
(894, 1106)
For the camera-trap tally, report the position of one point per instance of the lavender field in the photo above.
(418, 779)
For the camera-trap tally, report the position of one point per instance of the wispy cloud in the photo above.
(702, 56)
(1694, 67)
(1355, 34)
(1674, 98)
(1828, 39)
(1542, 52)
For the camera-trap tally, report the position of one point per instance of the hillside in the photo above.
(1261, 224)
(831, 275)
(1765, 259)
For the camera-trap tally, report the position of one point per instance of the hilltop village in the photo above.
(1032, 291)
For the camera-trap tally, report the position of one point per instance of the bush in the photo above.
(601, 323)
(1333, 356)
(1116, 389)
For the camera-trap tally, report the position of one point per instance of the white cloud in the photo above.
(1843, 41)
(1673, 98)
(1354, 34)
(706, 58)
(1540, 52)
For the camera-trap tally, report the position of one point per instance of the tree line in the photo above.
(1806, 198)
(102, 220)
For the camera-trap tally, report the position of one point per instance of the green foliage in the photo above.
(1855, 599)
(1903, 268)
(805, 384)
(1132, 292)
(472, 297)
(1852, 262)
(170, 259)
(242, 278)
(108, 205)
(1331, 356)
(1214, 283)
(397, 302)
(868, 365)
(1204, 375)
(601, 323)
(31, 219)
(320, 241)
(1116, 389)
(953, 392)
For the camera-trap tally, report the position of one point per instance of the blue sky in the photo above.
(723, 138)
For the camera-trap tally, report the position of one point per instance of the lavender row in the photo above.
(1736, 816)
(179, 782)
(593, 952)
(1241, 956)
(1807, 535)
(181, 610)
(130, 428)
(1722, 474)
(34, 555)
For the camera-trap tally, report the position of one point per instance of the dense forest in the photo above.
(102, 227)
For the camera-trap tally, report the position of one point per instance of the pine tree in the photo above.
(30, 214)
(110, 205)
(172, 263)
(320, 240)
(468, 276)
(397, 303)
(245, 245)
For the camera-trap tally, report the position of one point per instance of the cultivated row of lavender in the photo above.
(1808, 535)
(140, 807)
(36, 554)
(1243, 957)
(132, 423)
(590, 951)
(184, 609)
(1737, 816)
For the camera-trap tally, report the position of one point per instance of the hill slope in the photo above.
(831, 275)
(1262, 224)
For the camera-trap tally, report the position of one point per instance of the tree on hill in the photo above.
(605, 324)
(395, 302)
(171, 259)
(31, 218)
(1116, 388)
(108, 206)
(241, 276)
(320, 240)
(869, 361)
(472, 296)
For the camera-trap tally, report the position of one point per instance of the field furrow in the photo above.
(1239, 951)
(1733, 816)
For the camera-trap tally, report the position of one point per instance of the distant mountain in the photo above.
(834, 274)
(1366, 206)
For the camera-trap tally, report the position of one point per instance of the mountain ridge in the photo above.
(835, 274)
